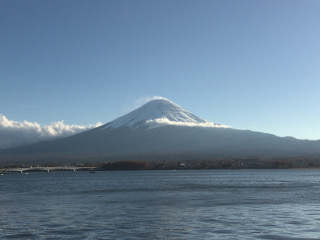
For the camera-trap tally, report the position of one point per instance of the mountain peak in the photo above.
(159, 112)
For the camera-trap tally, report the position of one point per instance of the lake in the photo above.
(183, 204)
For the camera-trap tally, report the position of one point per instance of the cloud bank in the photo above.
(164, 121)
(14, 133)
(139, 102)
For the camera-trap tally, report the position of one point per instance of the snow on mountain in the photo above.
(160, 112)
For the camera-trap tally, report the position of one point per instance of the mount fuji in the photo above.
(161, 130)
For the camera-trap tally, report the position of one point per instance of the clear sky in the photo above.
(247, 64)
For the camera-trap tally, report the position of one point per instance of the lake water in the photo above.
(186, 204)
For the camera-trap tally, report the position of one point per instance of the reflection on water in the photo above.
(204, 204)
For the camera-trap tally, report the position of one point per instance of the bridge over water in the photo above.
(47, 169)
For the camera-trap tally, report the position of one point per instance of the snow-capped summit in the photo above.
(159, 112)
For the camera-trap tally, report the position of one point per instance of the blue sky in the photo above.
(248, 64)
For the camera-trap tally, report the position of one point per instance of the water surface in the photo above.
(186, 204)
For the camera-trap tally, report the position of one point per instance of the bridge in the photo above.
(47, 169)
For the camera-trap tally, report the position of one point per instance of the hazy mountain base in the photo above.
(214, 164)
(191, 160)
(193, 164)
(168, 144)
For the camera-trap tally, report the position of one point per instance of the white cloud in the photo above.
(138, 103)
(14, 133)
(164, 121)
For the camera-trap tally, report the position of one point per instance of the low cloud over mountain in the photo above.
(14, 133)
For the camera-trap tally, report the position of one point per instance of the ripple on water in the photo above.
(162, 205)
(283, 237)
(21, 236)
